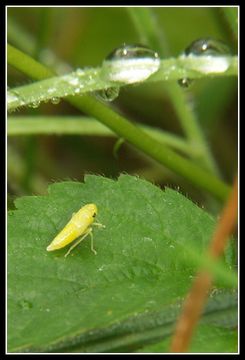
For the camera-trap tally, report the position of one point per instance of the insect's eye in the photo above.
(94, 214)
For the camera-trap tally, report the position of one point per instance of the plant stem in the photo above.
(159, 152)
(26, 64)
(191, 127)
(134, 135)
(148, 30)
(90, 80)
(70, 125)
(19, 37)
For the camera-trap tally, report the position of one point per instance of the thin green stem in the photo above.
(137, 137)
(44, 27)
(92, 79)
(148, 30)
(27, 64)
(191, 127)
(19, 37)
(70, 125)
(159, 152)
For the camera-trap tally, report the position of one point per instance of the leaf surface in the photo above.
(142, 264)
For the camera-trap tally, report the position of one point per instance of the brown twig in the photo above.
(195, 301)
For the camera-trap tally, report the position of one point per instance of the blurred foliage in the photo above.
(65, 38)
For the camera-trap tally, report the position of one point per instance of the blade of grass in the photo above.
(70, 125)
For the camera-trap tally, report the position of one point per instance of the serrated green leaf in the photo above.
(141, 264)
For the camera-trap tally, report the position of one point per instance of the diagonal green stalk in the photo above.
(133, 134)
(27, 64)
(19, 37)
(148, 31)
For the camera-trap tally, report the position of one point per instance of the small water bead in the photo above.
(185, 82)
(214, 51)
(77, 90)
(130, 63)
(12, 97)
(35, 104)
(108, 94)
(74, 81)
(51, 90)
(55, 100)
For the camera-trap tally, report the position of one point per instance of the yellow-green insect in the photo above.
(80, 224)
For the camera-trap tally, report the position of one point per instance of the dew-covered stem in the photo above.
(137, 137)
(90, 80)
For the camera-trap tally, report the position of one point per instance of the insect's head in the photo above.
(92, 209)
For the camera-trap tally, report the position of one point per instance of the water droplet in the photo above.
(101, 268)
(80, 72)
(35, 104)
(185, 82)
(51, 90)
(74, 81)
(77, 90)
(55, 100)
(108, 94)
(207, 46)
(130, 63)
(214, 52)
(11, 97)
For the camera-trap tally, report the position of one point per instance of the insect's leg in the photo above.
(78, 241)
(98, 224)
(92, 242)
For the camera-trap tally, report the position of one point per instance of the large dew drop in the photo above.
(213, 52)
(207, 47)
(130, 63)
